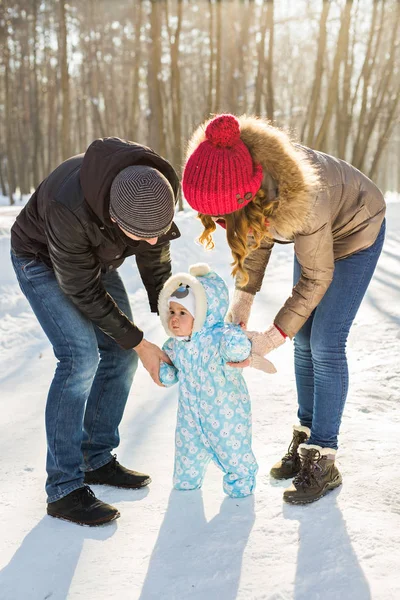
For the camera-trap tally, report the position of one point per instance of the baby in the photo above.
(214, 411)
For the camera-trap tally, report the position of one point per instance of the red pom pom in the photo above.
(223, 131)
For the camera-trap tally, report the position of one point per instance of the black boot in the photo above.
(116, 475)
(290, 464)
(81, 506)
(318, 475)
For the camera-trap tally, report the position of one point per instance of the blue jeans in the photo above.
(92, 380)
(322, 377)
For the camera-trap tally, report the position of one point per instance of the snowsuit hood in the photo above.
(210, 291)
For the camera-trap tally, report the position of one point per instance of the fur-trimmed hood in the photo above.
(287, 169)
(210, 291)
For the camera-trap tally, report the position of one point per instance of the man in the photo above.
(84, 219)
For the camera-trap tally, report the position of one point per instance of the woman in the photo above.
(250, 178)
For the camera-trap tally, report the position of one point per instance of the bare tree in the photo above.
(320, 141)
(155, 112)
(312, 110)
(65, 127)
(152, 70)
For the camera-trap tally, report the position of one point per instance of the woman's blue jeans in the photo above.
(322, 376)
(91, 383)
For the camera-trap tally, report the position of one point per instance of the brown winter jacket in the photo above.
(326, 207)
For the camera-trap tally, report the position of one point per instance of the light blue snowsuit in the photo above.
(214, 411)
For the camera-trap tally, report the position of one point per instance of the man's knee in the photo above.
(78, 361)
(130, 360)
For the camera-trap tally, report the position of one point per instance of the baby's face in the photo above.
(180, 320)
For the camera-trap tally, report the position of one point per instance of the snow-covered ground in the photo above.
(201, 545)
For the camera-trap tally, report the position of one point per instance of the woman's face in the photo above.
(180, 321)
(220, 221)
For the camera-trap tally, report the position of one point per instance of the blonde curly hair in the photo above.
(249, 219)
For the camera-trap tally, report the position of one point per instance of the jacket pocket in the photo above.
(36, 268)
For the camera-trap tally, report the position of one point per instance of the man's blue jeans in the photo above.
(92, 380)
(321, 370)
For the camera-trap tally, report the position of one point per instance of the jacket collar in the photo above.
(288, 174)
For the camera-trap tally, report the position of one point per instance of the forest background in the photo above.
(152, 70)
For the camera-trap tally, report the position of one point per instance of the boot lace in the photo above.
(291, 453)
(84, 497)
(310, 469)
(113, 464)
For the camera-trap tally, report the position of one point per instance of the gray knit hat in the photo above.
(142, 201)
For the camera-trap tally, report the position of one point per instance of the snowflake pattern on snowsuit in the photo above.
(214, 410)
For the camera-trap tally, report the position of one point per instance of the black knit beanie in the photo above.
(142, 201)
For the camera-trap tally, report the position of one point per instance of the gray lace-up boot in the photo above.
(317, 476)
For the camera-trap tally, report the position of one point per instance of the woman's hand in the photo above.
(240, 307)
(262, 364)
(264, 342)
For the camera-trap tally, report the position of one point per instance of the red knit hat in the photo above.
(220, 175)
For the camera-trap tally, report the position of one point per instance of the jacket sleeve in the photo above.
(234, 345)
(314, 251)
(154, 264)
(168, 373)
(78, 274)
(255, 265)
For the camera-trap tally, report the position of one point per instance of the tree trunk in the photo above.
(260, 60)
(218, 58)
(65, 117)
(11, 183)
(35, 103)
(270, 63)
(318, 73)
(176, 93)
(135, 105)
(210, 102)
(365, 75)
(155, 118)
(320, 140)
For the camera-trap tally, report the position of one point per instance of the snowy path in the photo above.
(200, 545)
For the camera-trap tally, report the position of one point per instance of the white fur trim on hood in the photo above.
(199, 292)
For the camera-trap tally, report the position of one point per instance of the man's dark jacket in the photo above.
(67, 225)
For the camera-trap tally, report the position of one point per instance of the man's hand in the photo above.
(151, 356)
